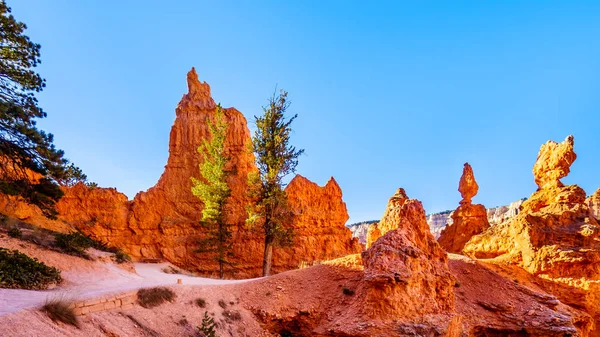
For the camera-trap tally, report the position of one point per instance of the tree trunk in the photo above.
(268, 256)
(221, 269)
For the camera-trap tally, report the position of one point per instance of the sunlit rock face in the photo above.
(163, 222)
(390, 218)
(406, 271)
(468, 219)
(554, 236)
(594, 203)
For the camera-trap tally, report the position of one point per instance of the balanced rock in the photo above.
(467, 186)
(553, 237)
(554, 162)
(467, 219)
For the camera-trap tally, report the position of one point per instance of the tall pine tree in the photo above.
(214, 192)
(275, 159)
(30, 164)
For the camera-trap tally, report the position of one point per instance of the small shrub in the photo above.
(76, 243)
(18, 270)
(183, 322)
(153, 297)
(456, 284)
(15, 232)
(231, 316)
(91, 185)
(171, 270)
(60, 310)
(122, 257)
(208, 326)
(268, 293)
(348, 291)
(222, 304)
(201, 302)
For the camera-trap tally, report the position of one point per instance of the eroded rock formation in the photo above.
(390, 218)
(406, 266)
(594, 203)
(468, 219)
(162, 222)
(406, 285)
(554, 163)
(553, 237)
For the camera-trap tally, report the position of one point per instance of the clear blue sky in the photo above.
(388, 94)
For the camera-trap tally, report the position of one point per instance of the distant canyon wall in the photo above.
(438, 221)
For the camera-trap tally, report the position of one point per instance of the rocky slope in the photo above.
(468, 219)
(405, 284)
(553, 237)
(162, 222)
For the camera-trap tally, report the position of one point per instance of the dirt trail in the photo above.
(85, 279)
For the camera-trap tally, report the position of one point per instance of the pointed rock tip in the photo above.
(194, 84)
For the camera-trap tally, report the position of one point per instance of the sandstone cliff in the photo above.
(468, 219)
(553, 237)
(438, 221)
(162, 222)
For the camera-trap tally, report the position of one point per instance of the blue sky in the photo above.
(389, 94)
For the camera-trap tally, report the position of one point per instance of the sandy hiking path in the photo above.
(85, 279)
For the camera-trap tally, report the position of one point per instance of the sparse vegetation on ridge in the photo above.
(76, 243)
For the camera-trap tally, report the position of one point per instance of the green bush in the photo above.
(60, 310)
(122, 257)
(15, 232)
(348, 291)
(18, 270)
(208, 326)
(76, 243)
(153, 297)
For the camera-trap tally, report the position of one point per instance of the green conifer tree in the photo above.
(214, 192)
(275, 159)
(30, 165)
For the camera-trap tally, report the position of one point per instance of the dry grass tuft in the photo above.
(201, 302)
(61, 310)
(153, 297)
